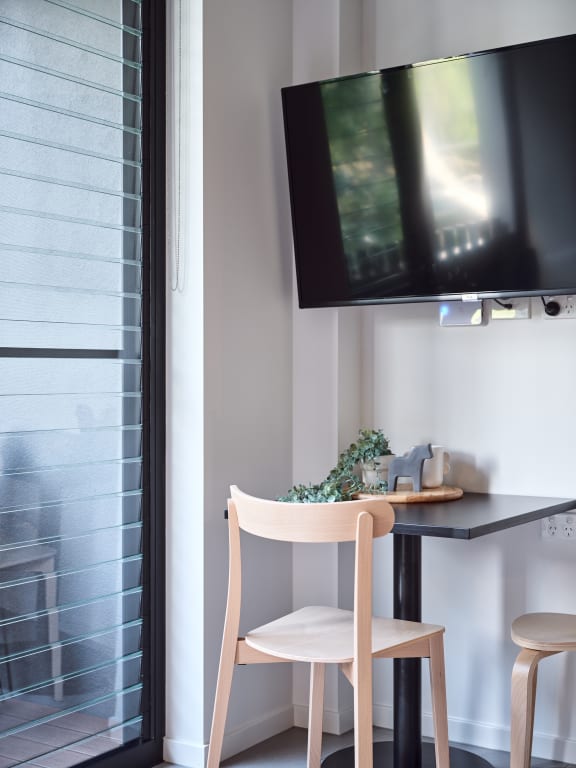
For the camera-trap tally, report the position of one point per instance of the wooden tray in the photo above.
(405, 494)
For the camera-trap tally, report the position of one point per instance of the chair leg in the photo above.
(223, 687)
(439, 709)
(315, 712)
(524, 677)
(363, 731)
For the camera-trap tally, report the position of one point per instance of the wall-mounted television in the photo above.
(440, 180)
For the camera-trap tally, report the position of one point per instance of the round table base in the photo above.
(384, 757)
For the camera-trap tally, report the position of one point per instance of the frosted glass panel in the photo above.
(24, 302)
(62, 94)
(36, 124)
(66, 272)
(64, 23)
(53, 199)
(97, 166)
(71, 400)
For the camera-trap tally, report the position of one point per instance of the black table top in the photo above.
(475, 514)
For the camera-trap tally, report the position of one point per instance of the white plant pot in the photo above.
(376, 471)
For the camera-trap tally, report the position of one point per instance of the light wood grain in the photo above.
(439, 709)
(539, 635)
(315, 712)
(405, 494)
(245, 654)
(545, 631)
(323, 635)
(229, 642)
(327, 522)
(362, 647)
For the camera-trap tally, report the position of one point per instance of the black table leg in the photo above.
(407, 749)
(407, 672)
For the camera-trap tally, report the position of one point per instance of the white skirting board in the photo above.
(486, 735)
(247, 735)
(186, 753)
(332, 721)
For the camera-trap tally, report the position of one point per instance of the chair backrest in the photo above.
(359, 521)
(321, 522)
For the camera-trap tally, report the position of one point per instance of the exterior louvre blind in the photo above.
(70, 380)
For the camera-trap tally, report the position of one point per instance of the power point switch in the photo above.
(552, 308)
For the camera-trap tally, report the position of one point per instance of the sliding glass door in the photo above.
(81, 381)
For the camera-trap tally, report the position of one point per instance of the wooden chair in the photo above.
(538, 635)
(324, 635)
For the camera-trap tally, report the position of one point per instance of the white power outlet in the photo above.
(567, 308)
(569, 527)
(560, 527)
(510, 309)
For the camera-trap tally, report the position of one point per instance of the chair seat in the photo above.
(324, 634)
(545, 631)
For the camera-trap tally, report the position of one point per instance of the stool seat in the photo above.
(539, 635)
(545, 631)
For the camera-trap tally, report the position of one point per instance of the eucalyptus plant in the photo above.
(343, 483)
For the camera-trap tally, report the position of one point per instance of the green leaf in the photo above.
(343, 483)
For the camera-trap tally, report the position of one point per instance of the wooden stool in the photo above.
(538, 635)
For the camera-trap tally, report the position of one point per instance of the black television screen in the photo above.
(437, 180)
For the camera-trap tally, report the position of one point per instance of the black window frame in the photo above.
(148, 751)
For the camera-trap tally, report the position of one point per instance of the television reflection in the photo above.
(424, 194)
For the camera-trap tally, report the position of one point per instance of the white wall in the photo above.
(483, 394)
(229, 361)
(247, 333)
(327, 39)
(405, 31)
(184, 740)
(491, 394)
(501, 398)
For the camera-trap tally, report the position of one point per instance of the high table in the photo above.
(473, 515)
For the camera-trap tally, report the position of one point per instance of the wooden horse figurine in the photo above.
(410, 465)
